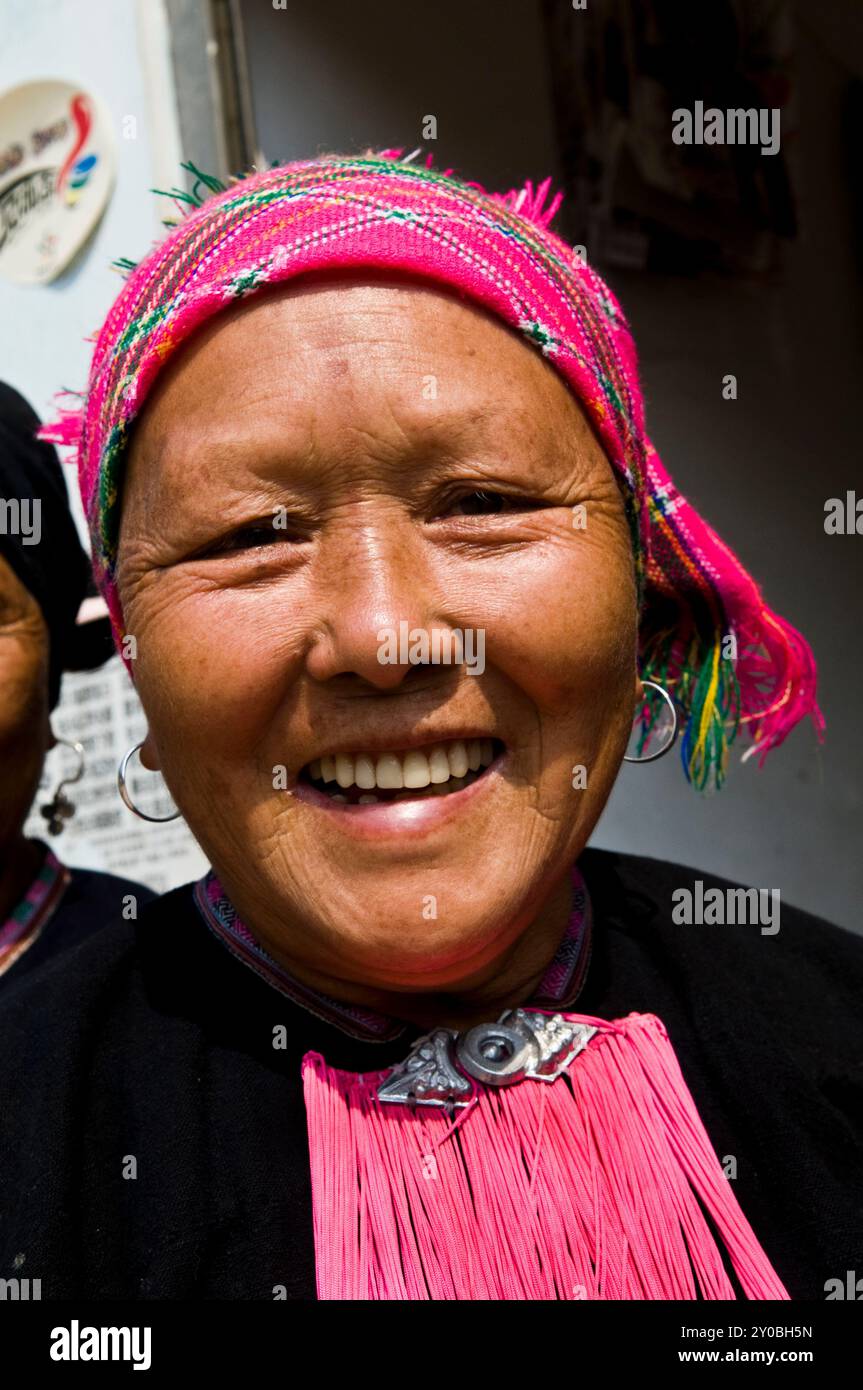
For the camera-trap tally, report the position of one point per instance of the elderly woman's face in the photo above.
(25, 732)
(324, 466)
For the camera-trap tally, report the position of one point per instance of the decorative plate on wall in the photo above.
(57, 159)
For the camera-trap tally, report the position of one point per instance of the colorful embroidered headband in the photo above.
(705, 632)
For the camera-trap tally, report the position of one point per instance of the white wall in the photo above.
(761, 469)
(96, 43)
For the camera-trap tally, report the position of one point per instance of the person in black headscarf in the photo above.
(45, 907)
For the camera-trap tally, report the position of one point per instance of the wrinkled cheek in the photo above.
(212, 676)
(568, 637)
(21, 700)
(569, 643)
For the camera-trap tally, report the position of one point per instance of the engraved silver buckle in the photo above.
(442, 1066)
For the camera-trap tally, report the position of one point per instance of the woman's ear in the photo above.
(149, 754)
(639, 691)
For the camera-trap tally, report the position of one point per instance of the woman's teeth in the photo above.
(439, 769)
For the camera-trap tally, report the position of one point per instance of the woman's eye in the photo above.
(251, 538)
(483, 502)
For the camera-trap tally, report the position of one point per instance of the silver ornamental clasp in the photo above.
(443, 1065)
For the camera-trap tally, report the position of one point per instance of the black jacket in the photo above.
(91, 899)
(147, 1048)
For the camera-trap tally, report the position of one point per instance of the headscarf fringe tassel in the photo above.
(705, 683)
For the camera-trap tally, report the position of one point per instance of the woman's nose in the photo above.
(370, 592)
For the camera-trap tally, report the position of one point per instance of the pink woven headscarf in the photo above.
(498, 250)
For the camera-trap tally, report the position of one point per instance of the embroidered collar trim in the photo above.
(560, 986)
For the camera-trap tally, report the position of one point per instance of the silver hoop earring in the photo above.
(669, 744)
(60, 809)
(124, 790)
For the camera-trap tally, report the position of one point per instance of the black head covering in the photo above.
(56, 570)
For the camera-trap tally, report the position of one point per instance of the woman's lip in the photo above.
(384, 819)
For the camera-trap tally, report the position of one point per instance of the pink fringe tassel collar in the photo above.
(595, 1186)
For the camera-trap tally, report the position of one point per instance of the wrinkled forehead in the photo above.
(379, 369)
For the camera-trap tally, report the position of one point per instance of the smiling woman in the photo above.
(350, 397)
(373, 478)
